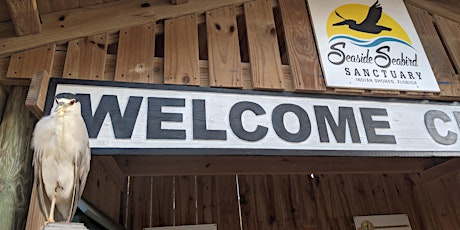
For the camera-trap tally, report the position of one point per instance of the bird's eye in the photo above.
(72, 102)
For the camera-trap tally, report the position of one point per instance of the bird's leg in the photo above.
(53, 205)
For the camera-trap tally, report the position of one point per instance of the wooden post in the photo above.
(3, 97)
(15, 160)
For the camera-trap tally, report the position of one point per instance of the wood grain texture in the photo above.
(135, 54)
(450, 35)
(223, 48)
(186, 196)
(101, 18)
(447, 8)
(304, 201)
(181, 64)
(24, 14)
(101, 191)
(264, 52)
(36, 97)
(301, 48)
(434, 49)
(151, 202)
(15, 160)
(85, 58)
(25, 64)
(228, 165)
(35, 218)
(441, 170)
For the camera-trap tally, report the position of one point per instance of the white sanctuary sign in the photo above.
(125, 118)
(370, 44)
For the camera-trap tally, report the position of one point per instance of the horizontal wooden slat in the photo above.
(206, 165)
(107, 17)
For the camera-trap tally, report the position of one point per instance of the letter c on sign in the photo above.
(236, 123)
(430, 117)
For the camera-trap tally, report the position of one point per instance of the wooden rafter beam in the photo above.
(441, 170)
(218, 165)
(24, 14)
(101, 18)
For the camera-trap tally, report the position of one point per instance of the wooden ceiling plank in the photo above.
(24, 14)
(107, 17)
(227, 165)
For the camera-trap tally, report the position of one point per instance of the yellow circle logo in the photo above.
(362, 24)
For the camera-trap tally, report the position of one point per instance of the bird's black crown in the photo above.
(67, 96)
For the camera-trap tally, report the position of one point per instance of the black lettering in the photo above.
(123, 126)
(155, 116)
(370, 125)
(450, 138)
(337, 57)
(280, 128)
(346, 117)
(382, 60)
(200, 132)
(236, 124)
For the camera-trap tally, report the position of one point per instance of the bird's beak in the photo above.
(340, 23)
(59, 106)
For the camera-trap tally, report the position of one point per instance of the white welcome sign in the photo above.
(370, 44)
(132, 118)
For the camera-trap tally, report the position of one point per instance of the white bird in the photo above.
(61, 158)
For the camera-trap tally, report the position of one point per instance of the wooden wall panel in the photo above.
(223, 48)
(186, 210)
(324, 201)
(301, 48)
(450, 34)
(151, 202)
(181, 64)
(434, 50)
(101, 190)
(135, 54)
(86, 58)
(447, 203)
(263, 46)
(218, 202)
(25, 64)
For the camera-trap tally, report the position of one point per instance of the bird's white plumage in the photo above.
(61, 158)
